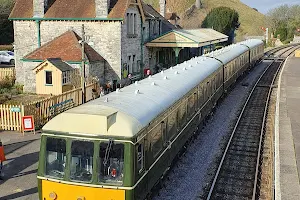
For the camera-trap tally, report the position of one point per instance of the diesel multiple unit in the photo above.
(118, 146)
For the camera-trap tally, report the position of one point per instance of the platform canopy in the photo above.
(192, 38)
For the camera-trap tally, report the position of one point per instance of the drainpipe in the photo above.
(142, 49)
(38, 24)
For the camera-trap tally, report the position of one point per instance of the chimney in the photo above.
(101, 8)
(162, 6)
(39, 8)
(198, 4)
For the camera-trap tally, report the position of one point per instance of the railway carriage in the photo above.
(120, 145)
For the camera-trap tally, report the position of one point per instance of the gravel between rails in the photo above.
(193, 172)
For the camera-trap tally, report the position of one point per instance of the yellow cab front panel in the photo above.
(59, 191)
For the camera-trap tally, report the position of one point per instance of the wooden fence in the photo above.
(7, 72)
(11, 117)
(44, 110)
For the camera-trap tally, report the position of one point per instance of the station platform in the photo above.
(287, 132)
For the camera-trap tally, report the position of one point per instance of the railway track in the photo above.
(238, 174)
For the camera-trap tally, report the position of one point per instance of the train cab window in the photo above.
(55, 157)
(140, 158)
(82, 160)
(111, 162)
(156, 140)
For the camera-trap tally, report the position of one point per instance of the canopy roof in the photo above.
(188, 38)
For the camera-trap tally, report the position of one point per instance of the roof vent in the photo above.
(118, 90)
(137, 92)
(150, 76)
(190, 65)
(165, 77)
(184, 68)
(176, 72)
(136, 83)
(162, 71)
(106, 100)
(153, 84)
(171, 67)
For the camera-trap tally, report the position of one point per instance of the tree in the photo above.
(6, 26)
(284, 21)
(224, 20)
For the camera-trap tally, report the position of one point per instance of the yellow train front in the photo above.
(79, 161)
(81, 169)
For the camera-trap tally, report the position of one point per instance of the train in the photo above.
(119, 146)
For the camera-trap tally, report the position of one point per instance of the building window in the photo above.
(134, 67)
(66, 77)
(131, 24)
(132, 64)
(129, 64)
(49, 77)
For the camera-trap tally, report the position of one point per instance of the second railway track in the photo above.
(238, 172)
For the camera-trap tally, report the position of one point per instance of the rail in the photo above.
(256, 85)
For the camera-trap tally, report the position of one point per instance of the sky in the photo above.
(264, 6)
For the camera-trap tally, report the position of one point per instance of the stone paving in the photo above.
(20, 169)
(287, 135)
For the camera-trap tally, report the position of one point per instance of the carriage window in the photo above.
(140, 158)
(171, 128)
(156, 140)
(182, 115)
(55, 157)
(191, 104)
(111, 162)
(82, 161)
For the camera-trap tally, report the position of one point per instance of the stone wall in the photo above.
(97, 70)
(106, 38)
(132, 45)
(25, 35)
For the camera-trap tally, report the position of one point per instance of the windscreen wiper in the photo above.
(107, 151)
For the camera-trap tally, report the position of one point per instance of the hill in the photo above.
(191, 17)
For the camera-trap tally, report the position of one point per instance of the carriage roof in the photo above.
(124, 113)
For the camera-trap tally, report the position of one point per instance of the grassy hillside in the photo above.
(251, 20)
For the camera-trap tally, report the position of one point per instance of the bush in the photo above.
(7, 82)
(4, 90)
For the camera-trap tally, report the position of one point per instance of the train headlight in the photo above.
(52, 195)
(80, 198)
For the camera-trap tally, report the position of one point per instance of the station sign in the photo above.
(15, 109)
(28, 124)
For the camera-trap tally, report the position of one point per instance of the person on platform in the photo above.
(2, 159)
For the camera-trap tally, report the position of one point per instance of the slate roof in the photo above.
(70, 9)
(150, 12)
(171, 16)
(66, 47)
(59, 64)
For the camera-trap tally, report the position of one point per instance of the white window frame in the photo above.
(66, 77)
